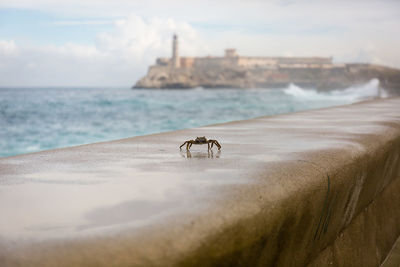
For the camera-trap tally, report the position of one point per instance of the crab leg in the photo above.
(183, 144)
(208, 144)
(216, 143)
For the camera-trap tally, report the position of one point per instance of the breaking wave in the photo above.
(348, 95)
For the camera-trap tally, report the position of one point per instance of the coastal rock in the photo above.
(322, 78)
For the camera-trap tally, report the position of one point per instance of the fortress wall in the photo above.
(310, 66)
(257, 61)
(334, 66)
(318, 188)
(252, 62)
(187, 62)
(204, 62)
(215, 62)
(304, 60)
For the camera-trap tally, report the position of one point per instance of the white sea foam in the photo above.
(351, 94)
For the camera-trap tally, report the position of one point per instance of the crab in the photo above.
(201, 141)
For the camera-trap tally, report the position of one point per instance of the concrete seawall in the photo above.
(311, 188)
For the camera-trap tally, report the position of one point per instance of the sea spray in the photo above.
(351, 94)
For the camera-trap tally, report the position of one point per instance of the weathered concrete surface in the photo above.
(310, 188)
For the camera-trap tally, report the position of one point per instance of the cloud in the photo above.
(81, 22)
(7, 47)
(118, 57)
(251, 12)
(126, 44)
(141, 38)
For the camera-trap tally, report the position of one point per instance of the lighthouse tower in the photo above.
(175, 56)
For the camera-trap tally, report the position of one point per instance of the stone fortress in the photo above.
(235, 71)
(232, 59)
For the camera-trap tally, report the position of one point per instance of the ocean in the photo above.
(35, 119)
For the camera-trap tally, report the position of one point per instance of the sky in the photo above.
(92, 43)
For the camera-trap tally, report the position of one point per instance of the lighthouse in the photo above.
(175, 55)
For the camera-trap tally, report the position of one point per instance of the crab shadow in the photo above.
(200, 155)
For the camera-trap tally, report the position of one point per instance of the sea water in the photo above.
(34, 119)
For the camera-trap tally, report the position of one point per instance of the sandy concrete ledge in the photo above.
(312, 188)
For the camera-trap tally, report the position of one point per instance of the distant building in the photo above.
(232, 59)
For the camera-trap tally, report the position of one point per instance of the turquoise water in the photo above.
(44, 118)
